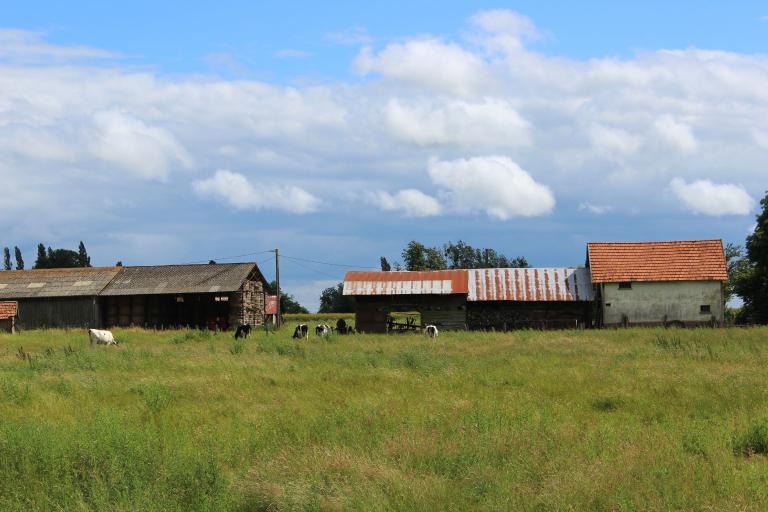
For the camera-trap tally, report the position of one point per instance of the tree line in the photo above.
(748, 272)
(49, 258)
(418, 257)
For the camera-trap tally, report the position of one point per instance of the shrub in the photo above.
(237, 348)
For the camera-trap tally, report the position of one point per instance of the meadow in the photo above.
(635, 419)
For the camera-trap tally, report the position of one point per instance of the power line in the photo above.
(326, 262)
(230, 257)
(313, 269)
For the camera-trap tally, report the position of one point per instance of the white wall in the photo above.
(656, 302)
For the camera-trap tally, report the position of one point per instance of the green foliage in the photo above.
(750, 275)
(333, 300)
(385, 266)
(470, 421)
(417, 256)
(62, 258)
(7, 259)
(19, 259)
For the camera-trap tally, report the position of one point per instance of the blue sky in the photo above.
(169, 132)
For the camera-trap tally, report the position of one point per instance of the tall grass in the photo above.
(637, 419)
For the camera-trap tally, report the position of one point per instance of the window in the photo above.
(704, 309)
(626, 285)
(221, 298)
(179, 299)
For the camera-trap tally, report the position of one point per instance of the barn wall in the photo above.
(200, 311)
(447, 312)
(246, 306)
(649, 303)
(58, 312)
(508, 315)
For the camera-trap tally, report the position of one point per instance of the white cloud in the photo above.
(708, 198)
(431, 63)
(291, 53)
(121, 139)
(613, 141)
(413, 203)
(27, 46)
(676, 134)
(493, 184)
(489, 123)
(235, 189)
(595, 208)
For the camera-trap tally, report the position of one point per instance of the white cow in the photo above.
(99, 337)
(431, 331)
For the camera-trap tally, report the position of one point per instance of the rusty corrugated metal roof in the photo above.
(439, 282)
(514, 284)
(55, 282)
(684, 260)
(530, 284)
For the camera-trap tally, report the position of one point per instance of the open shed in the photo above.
(216, 296)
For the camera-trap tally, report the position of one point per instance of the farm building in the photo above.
(8, 316)
(217, 296)
(476, 299)
(213, 296)
(659, 283)
(56, 297)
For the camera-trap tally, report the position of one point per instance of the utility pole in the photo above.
(277, 283)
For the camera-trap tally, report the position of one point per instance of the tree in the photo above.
(19, 259)
(119, 263)
(42, 257)
(333, 300)
(385, 266)
(288, 304)
(6, 259)
(736, 264)
(751, 282)
(82, 256)
(414, 257)
(62, 258)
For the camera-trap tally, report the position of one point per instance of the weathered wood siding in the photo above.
(509, 315)
(447, 312)
(58, 312)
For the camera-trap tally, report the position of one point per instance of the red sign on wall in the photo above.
(271, 305)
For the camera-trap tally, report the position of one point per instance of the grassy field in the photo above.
(576, 420)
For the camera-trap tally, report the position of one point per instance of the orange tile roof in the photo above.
(689, 260)
(7, 310)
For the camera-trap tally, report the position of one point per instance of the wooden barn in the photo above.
(219, 296)
(56, 297)
(500, 299)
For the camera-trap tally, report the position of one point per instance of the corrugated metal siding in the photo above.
(441, 282)
(530, 284)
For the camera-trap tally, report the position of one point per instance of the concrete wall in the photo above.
(662, 302)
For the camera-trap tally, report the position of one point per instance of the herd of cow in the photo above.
(101, 337)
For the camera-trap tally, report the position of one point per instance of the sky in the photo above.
(170, 132)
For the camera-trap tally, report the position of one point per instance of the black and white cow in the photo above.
(243, 331)
(322, 330)
(301, 331)
(431, 331)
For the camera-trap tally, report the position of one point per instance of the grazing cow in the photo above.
(341, 326)
(99, 337)
(243, 331)
(302, 331)
(431, 331)
(322, 330)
